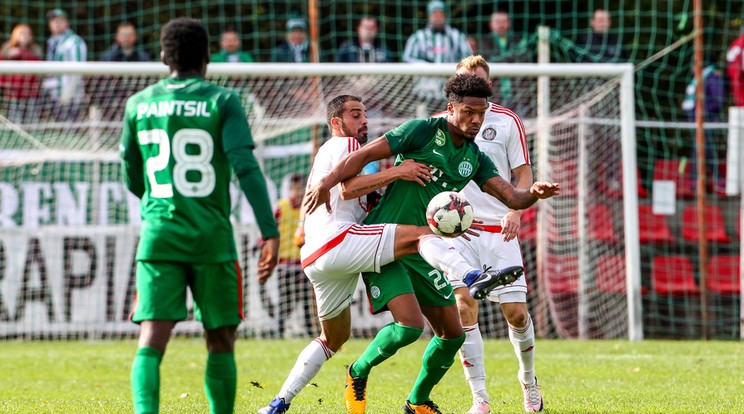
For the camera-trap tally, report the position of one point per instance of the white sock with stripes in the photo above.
(443, 256)
(471, 355)
(308, 363)
(523, 340)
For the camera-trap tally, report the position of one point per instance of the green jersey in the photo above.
(175, 137)
(428, 141)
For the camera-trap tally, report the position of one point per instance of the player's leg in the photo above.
(513, 299)
(218, 304)
(161, 301)
(522, 337)
(472, 350)
(334, 292)
(437, 302)
(389, 289)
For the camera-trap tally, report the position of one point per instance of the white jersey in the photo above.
(503, 140)
(321, 226)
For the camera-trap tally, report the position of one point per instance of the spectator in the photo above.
(366, 48)
(66, 92)
(125, 50)
(735, 69)
(473, 42)
(712, 112)
(294, 286)
(22, 91)
(600, 45)
(503, 46)
(230, 50)
(296, 48)
(436, 43)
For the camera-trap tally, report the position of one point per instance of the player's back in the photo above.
(322, 226)
(178, 126)
(502, 138)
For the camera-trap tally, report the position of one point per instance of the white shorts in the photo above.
(490, 250)
(335, 273)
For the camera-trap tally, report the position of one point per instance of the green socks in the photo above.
(145, 380)
(438, 357)
(386, 343)
(220, 382)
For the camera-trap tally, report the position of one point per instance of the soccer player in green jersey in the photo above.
(179, 138)
(410, 288)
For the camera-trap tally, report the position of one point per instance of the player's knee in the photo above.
(335, 342)
(220, 340)
(467, 307)
(407, 334)
(517, 318)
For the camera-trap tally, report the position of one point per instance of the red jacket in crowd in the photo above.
(22, 86)
(735, 68)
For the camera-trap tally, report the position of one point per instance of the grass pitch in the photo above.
(576, 377)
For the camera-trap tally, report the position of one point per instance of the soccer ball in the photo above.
(449, 214)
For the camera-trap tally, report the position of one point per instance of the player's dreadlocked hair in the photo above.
(460, 86)
(336, 108)
(185, 43)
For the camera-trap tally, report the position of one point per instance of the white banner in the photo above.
(62, 281)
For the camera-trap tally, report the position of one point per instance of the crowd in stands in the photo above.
(437, 42)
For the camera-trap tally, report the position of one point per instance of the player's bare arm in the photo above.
(519, 198)
(348, 167)
(408, 170)
(510, 223)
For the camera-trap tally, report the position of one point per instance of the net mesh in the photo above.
(655, 36)
(70, 225)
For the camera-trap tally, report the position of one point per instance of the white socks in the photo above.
(308, 363)
(471, 355)
(441, 255)
(523, 340)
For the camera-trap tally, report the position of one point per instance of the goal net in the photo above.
(70, 227)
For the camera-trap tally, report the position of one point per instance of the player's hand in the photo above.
(410, 170)
(269, 258)
(299, 236)
(543, 190)
(315, 197)
(474, 230)
(510, 225)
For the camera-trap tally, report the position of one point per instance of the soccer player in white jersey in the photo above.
(337, 248)
(501, 138)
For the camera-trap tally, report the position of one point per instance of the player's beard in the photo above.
(360, 135)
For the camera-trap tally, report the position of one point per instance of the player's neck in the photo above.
(457, 137)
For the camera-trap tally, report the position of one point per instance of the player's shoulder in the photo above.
(336, 145)
(496, 111)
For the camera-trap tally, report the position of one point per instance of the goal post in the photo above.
(69, 226)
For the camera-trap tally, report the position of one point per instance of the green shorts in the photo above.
(410, 274)
(215, 287)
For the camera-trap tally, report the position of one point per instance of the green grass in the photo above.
(576, 377)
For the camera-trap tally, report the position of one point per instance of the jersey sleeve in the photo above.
(516, 144)
(238, 145)
(486, 169)
(131, 156)
(235, 130)
(411, 135)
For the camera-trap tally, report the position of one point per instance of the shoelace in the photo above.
(486, 268)
(533, 393)
(359, 385)
(434, 407)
